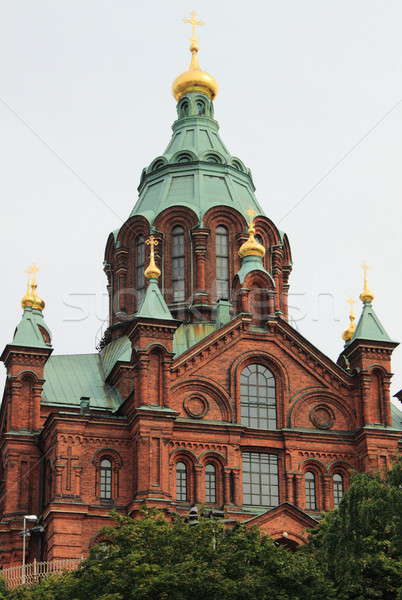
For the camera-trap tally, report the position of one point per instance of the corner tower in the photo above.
(195, 199)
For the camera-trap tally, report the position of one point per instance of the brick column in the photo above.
(286, 270)
(326, 489)
(200, 240)
(199, 490)
(226, 488)
(300, 500)
(290, 496)
(277, 254)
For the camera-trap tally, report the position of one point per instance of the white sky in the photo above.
(310, 99)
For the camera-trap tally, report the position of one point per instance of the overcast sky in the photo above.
(310, 99)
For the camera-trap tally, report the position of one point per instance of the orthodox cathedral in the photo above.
(200, 390)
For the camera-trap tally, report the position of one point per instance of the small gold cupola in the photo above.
(194, 79)
(152, 271)
(348, 333)
(251, 247)
(366, 295)
(31, 298)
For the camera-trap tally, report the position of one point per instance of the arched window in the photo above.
(210, 484)
(105, 479)
(222, 263)
(338, 488)
(181, 482)
(258, 397)
(178, 264)
(139, 270)
(311, 500)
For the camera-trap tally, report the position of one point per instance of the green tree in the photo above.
(153, 559)
(359, 545)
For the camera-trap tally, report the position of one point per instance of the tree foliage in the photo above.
(153, 559)
(359, 545)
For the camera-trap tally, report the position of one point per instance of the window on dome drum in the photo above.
(178, 264)
(258, 397)
(105, 479)
(260, 479)
(139, 270)
(311, 500)
(210, 484)
(259, 239)
(338, 488)
(222, 263)
(181, 482)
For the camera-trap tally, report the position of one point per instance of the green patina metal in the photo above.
(249, 264)
(369, 326)
(196, 169)
(117, 350)
(154, 305)
(71, 377)
(28, 332)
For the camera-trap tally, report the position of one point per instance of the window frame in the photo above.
(181, 258)
(254, 481)
(310, 490)
(211, 487)
(336, 496)
(140, 268)
(106, 479)
(179, 481)
(265, 413)
(222, 261)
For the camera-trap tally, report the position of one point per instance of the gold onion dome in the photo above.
(366, 295)
(349, 332)
(152, 271)
(251, 247)
(194, 79)
(31, 298)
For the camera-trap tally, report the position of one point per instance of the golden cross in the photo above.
(32, 270)
(194, 22)
(151, 241)
(365, 268)
(351, 303)
(250, 212)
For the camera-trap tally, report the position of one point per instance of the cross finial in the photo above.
(32, 270)
(194, 22)
(152, 271)
(366, 295)
(351, 303)
(251, 213)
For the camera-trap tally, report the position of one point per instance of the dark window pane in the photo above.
(257, 397)
(181, 482)
(260, 479)
(338, 489)
(105, 479)
(311, 502)
(222, 262)
(178, 264)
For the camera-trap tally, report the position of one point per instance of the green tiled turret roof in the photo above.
(369, 326)
(32, 330)
(196, 169)
(154, 305)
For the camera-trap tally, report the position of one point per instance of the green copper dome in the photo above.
(196, 169)
(32, 330)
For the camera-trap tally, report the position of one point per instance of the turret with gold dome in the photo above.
(32, 330)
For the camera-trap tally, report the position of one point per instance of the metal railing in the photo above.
(33, 572)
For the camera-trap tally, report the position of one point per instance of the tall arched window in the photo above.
(258, 397)
(311, 499)
(139, 270)
(338, 488)
(181, 482)
(178, 264)
(210, 484)
(222, 262)
(105, 479)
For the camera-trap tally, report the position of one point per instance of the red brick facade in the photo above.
(185, 407)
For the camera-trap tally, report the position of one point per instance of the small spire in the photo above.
(251, 247)
(31, 298)
(194, 79)
(366, 295)
(152, 271)
(348, 333)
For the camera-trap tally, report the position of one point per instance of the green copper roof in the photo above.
(251, 263)
(71, 377)
(154, 305)
(32, 330)
(196, 169)
(369, 326)
(119, 349)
